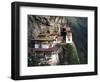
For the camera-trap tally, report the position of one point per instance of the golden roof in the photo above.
(44, 49)
(43, 39)
(42, 35)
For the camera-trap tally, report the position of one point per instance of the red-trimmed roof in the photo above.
(53, 34)
(39, 39)
(45, 49)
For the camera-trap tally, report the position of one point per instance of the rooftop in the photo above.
(43, 39)
(45, 49)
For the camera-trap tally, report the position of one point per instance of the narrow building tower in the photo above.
(68, 35)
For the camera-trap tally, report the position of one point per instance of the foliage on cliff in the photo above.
(72, 55)
(80, 30)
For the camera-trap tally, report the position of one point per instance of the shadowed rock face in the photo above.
(67, 54)
(79, 33)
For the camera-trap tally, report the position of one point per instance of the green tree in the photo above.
(72, 55)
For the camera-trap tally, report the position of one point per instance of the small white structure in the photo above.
(45, 45)
(68, 35)
(36, 45)
(68, 39)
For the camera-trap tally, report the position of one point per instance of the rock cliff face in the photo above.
(68, 54)
(75, 53)
(80, 31)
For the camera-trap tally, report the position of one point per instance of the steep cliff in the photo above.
(69, 54)
(80, 31)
